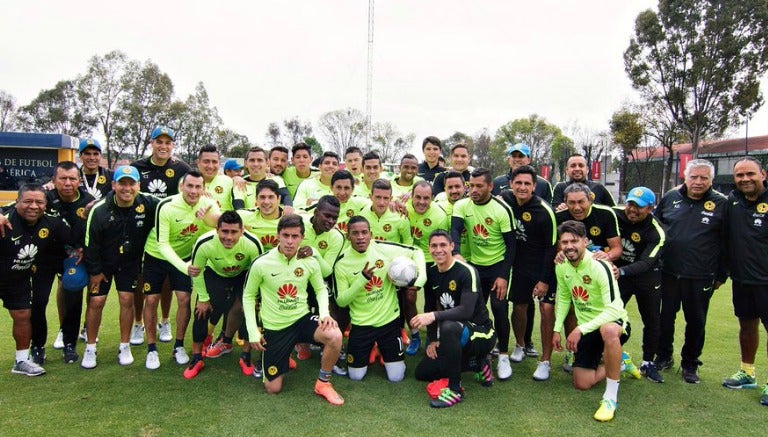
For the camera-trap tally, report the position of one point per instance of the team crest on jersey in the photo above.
(379, 263)
(169, 173)
(140, 209)
(350, 212)
(239, 256)
(81, 213)
(427, 222)
(43, 233)
(272, 370)
(299, 272)
(322, 245)
(350, 358)
(218, 190)
(586, 279)
(147, 287)
(762, 208)
(387, 228)
(635, 237)
(488, 221)
(594, 231)
(526, 216)
(709, 205)
(592, 196)
(101, 179)
(452, 285)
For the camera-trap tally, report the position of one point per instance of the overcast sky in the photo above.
(439, 66)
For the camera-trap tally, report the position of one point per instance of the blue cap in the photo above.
(232, 164)
(126, 171)
(641, 196)
(162, 130)
(89, 142)
(520, 147)
(74, 277)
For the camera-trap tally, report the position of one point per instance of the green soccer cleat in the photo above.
(764, 396)
(628, 367)
(740, 380)
(606, 411)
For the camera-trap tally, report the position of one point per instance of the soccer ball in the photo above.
(402, 271)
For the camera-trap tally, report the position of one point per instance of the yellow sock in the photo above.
(749, 369)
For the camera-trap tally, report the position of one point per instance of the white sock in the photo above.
(645, 363)
(124, 345)
(90, 347)
(22, 355)
(611, 389)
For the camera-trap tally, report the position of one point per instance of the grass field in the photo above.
(116, 401)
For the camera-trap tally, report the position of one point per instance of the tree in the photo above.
(57, 110)
(666, 132)
(702, 60)
(343, 128)
(562, 148)
(534, 131)
(389, 143)
(488, 153)
(296, 131)
(627, 131)
(198, 123)
(231, 143)
(317, 148)
(7, 111)
(457, 138)
(274, 135)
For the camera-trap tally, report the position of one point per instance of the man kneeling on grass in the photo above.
(588, 284)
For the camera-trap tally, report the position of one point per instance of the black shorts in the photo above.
(280, 344)
(521, 288)
(126, 278)
(488, 275)
(750, 301)
(477, 340)
(589, 351)
(17, 295)
(219, 287)
(361, 339)
(157, 270)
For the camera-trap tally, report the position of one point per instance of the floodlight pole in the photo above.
(369, 90)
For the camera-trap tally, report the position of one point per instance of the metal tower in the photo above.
(369, 91)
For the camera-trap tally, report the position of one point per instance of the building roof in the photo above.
(730, 147)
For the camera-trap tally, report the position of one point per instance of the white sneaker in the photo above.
(503, 368)
(517, 354)
(164, 332)
(89, 359)
(59, 342)
(180, 355)
(542, 371)
(153, 361)
(125, 357)
(137, 335)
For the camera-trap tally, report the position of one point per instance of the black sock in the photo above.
(178, 343)
(226, 340)
(151, 347)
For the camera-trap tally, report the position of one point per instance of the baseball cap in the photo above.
(520, 147)
(641, 196)
(232, 164)
(162, 130)
(89, 142)
(74, 277)
(126, 171)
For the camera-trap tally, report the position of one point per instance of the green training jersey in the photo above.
(329, 244)
(362, 190)
(248, 194)
(398, 190)
(372, 302)
(177, 228)
(292, 179)
(280, 285)
(485, 225)
(263, 228)
(391, 226)
(442, 200)
(422, 226)
(227, 263)
(593, 292)
(220, 188)
(309, 192)
(352, 207)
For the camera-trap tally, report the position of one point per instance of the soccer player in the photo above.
(430, 167)
(353, 161)
(692, 263)
(460, 159)
(533, 266)
(362, 283)
(491, 240)
(371, 173)
(116, 228)
(313, 188)
(262, 222)
(245, 194)
(454, 191)
(642, 240)
(217, 185)
(278, 160)
(402, 184)
(342, 186)
(31, 233)
(587, 284)
(386, 225)
(96, 180)
(458, 327)
(161, 174)
(279, 279)
(301, 157)
(179, 221)
(747, 238)
(518, 156)
(223, 256)
(577, 172)
(232, 168)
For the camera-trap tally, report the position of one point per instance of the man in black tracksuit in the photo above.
(577, 171)
(692, 263)
(642, 239)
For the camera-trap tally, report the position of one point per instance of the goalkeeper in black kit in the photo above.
(459, 330)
